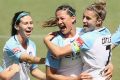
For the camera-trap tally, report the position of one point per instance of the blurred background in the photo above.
(42, 10)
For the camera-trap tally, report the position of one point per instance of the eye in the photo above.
(25, 23)
(31, 22)
(88, 18)
(62, 18)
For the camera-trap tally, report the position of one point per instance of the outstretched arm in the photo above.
(32, 59)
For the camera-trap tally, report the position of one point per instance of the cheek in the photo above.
(69, 22)
(92, 22)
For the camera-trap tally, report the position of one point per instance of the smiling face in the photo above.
(90, 20)
(64, 21)
(25, 27)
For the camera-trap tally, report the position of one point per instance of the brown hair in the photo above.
(16, 20)
(52, 22)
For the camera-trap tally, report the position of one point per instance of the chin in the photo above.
(27, 36)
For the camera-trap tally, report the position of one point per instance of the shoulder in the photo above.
(31, 42)
(11, 41)
(1, 69)
(58, 37)
(94, 36)
(105, 31)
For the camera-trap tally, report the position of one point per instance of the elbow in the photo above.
(58, 54)
(49, 76)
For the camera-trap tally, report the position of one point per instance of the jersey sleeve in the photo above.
(116, 37)
(1, 69)
(13, 51)
(51, 61)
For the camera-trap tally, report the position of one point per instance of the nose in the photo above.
(84, 20)
(59, 21)
(30, 25)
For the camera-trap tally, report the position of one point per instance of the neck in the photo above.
(22, 41)
(71, 33)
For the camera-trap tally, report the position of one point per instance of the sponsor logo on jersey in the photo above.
(79, 41)
(16, 50)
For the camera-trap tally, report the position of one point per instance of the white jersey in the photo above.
(12, 51)
(69, 65)
(96, 52)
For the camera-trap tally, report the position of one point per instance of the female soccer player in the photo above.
(94, 43)
(21, 50)
(67, 67)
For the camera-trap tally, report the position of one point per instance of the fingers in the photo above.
(51, 35)
(108, 70)
(42, 61)
(85, 76)
(109, 78)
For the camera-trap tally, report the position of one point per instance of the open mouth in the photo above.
(62, 28)
(28, 32)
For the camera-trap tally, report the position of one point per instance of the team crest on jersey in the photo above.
(16, 50)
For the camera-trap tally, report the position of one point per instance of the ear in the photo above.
(73, 19)
(99, 21)
(16, 27)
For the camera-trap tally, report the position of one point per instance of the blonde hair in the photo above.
(99, 8)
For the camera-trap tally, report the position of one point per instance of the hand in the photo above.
(42, 61)
(50, 36)
(85, 76)
(108, 71)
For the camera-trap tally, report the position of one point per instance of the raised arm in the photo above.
(56, 50)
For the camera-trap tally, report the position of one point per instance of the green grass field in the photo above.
(44, 9)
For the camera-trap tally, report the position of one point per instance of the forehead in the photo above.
(61, 13)
(89, 13)
(26, 18)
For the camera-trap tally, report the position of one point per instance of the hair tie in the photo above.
(21, 15)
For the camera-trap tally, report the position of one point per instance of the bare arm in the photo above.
(8, 73)
(38, 74)
(52, 75)
(57, 50)
(32, 59)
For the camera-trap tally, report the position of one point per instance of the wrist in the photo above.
(75, 47)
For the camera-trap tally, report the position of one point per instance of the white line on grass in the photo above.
(32, 36)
